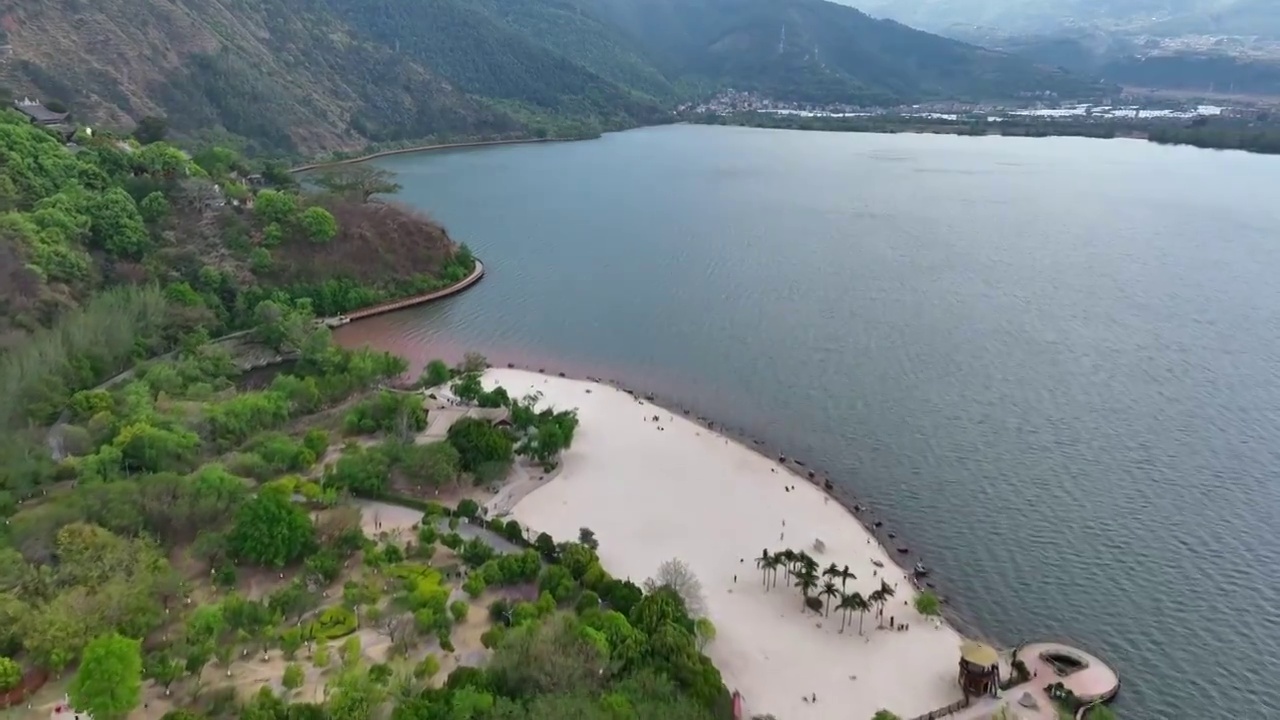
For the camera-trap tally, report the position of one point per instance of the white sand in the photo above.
(686, 492)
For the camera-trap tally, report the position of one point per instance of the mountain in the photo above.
(1197, 46)
(300, 77)
(1152, 17)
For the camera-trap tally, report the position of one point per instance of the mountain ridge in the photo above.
(302, 77)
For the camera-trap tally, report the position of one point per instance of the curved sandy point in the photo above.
(656, 490)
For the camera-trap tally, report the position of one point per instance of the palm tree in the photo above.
(846, 576)
(844, 606)
(876, 598)
(786, 557)
(762, 562)
(860, 604)
(772, 567)
(886, 592)
(808, 563)
(806, 582)
(832, 571)
(828, 591)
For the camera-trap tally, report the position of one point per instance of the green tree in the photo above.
(358, 181)
(116, 225)
(272, 235)
(275, 206)
(459, 609)
(154, 207)
(319, 224)
(271, 530)
(293, 676)
(435, 374)
(885, 715)
(479, 443)
(151, 129)
(10, 674)
(160, 160)
(928, 604)
(354, 696)
(109, 681)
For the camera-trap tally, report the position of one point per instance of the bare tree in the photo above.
(675, 574)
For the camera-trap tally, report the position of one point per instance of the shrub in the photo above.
(428, 668)
(293, 676)
(333, 623)
(380, 673)
(458, 609)
(474, 585)
(479, 443)
(386, 412)
(414, 573)
(436, 373)
(321, 658)
(468, 508)
(10, 674)
(319, 224)
(492, 637)
(317, 441)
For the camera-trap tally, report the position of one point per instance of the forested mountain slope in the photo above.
(811, 50)
(303, 76)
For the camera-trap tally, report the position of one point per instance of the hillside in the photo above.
(299, 77)
(204, 229)
(810, 50)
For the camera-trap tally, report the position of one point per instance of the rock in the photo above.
(811, 474)
(828, 484)
(877, 523)
(542, 370)
(511, 365)
(560, 374)
(903, 549)
(800, 463)
(686, 412)
(782, 458)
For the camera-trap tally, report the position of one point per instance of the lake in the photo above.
(1048, 365)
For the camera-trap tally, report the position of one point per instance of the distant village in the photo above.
(1045, 107)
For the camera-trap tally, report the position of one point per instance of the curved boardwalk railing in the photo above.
(424, 148)
(394, 305)
(54, 440)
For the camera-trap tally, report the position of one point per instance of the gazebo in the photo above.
(979, 669)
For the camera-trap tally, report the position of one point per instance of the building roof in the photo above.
(39, 113)
(976, 653)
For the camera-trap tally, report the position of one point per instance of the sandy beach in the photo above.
(653, 491)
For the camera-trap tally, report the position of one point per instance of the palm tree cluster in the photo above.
(801, 570)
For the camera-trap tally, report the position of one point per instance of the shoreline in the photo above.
(426, 148)
(800, 469)
(695, 493)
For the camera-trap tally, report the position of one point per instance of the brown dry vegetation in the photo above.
(375, 241)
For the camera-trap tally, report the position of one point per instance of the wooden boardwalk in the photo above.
(472, 279)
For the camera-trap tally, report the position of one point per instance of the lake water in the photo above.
(1049, 365)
